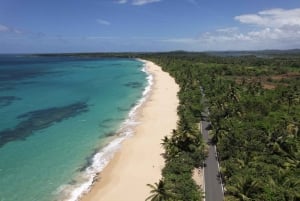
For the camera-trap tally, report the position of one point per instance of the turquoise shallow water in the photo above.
(56, 117)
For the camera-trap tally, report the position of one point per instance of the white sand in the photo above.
(139, 160)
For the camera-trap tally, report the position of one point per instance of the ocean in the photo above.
(62, 118)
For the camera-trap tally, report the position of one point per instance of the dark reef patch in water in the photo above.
(8, 100)
(40, 119)
(108, 123)
(88, 161)
(28, 82)
(17, 74)
(123, 109)
(110, 134)
(6, 87)
(12, 77)
(134, 84)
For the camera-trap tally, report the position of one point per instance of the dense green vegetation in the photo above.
(255, 126)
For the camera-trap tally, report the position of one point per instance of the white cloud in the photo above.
(275, 25)
(227, 30)
(194, 2)
(137, 2)
(100, 38)
(121, 1)
(143, 2)
(275, 28)
(103, 22)
(274, 18)
(4, 28)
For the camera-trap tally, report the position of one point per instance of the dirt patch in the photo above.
(268, 86)
(291, 75)
(267, 82)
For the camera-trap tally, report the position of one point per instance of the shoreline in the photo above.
(139, 161)
(102, 157)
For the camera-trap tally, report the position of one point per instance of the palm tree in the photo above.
(289, 183)
(242, 187)
(158, 192)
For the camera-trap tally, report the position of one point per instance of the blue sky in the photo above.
(35, 26)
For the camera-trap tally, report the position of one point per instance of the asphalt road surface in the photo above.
(213, 185)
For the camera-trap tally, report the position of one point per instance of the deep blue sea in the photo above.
(62, 118)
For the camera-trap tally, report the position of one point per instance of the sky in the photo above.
(54, 26)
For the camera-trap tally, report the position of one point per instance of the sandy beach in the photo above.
(139, 161)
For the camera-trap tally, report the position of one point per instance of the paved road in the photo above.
(213, 185)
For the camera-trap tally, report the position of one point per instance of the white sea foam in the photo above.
(83, 184)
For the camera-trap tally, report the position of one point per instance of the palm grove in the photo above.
(254, 112)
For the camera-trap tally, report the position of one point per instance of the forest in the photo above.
(254, 110)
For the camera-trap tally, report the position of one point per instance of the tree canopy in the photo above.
(254, 109)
